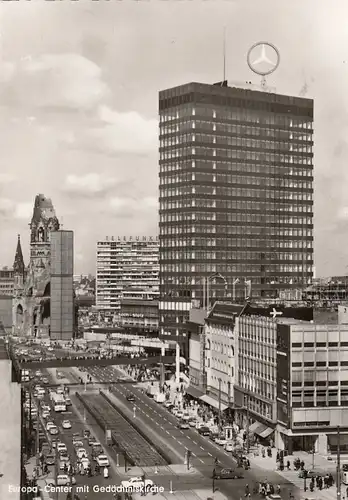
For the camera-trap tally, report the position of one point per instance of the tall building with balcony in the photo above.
(126, 267)
(6, 281)
(236, 196)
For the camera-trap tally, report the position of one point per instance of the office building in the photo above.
(139, 315)
(125, 264)
(62, 288)
(236, 197)
(10, 425)
(6, 281)
(312, 386)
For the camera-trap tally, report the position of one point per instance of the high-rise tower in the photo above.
(236, 196)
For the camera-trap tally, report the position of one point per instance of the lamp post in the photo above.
(212, 276)
(219, 404)
(338, 480)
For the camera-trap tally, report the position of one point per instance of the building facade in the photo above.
(139, 315)
(124, 264)
(219, 353)
(255, 387)
(236, 196)
(6, 281)
(62, 288)
(33, 284)
(312, 386)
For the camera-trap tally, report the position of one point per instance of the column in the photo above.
(177, 363)
(322, 444)
(162, 377)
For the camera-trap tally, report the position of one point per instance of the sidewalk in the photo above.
(186, 495)
(30, 466)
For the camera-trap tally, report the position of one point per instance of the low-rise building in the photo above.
(6, 281)
(139, 315)
(312, 386)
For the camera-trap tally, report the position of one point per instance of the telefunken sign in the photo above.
(132, 238)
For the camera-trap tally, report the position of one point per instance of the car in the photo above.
(220, 440)
(91, 440)
(204, 431)
(62, 480)
(49, 425)
(63, 463)
(54, 443)
(66, 424)
(45, 381)
(68, 402)
(229, 446)
(50, 349)
(275, 496)
(53, 430)
(61, 447)
(45, 407)
(78, 444)
(168, 404)
(310, 474)
(85, 462)
(50, 459)
(103, 461)
(86, 434)
(227, 474)
(76, 437)
(46, 414)
(130, 397)
(193, 423)
(183, 425)
(174, 410)
(136, 483)
(38, 373)
(81, 453)
(179, 414)
(186, 416)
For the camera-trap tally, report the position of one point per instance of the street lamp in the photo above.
(212, 276)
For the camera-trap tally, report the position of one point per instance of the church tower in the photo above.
(43, 222)
(18, 268)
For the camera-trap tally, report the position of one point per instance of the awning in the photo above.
(254, 426)
(195, 393)
(213, 402)
(267, 432)
(262, 430)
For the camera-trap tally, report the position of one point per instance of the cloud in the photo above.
(126, 206)
(124, 132)
(89, 184)
(6, 179)
(11, 209)
(54, 81)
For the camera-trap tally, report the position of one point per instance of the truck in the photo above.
(58, 401)
(159, 397)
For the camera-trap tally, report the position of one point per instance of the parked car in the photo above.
(136, 483)
(103, 461)
(229, 446)
(204, 431)
(220, 440)
(61, 447)
(66, 424)
(62, 480)
(183, 425)
(53, 430)
(227, 474)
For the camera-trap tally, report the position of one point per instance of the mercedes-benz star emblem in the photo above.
(263, 58)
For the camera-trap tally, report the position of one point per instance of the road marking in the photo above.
(179, 441)
(194, 441)
(194, 454)
(210, 454)
(201, 460)
(167, 432)
(201, 447)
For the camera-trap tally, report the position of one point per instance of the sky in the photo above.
(79, 86)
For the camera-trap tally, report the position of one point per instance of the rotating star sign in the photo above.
(263, 59)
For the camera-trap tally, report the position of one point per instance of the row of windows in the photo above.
(297, 169)
(228, 255)
(172, 204)
(234, 127)
(280, 144)
(220, 152)
(192, 268)
(318, 364)
(319, 383)
(325, 345)
(229, 112)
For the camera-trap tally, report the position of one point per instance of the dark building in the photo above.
(236, 196)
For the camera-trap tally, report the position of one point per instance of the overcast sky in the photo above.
(79, 85)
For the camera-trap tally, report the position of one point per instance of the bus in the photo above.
(58, 402)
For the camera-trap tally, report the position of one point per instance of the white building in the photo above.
(219, 354)
(124, 264)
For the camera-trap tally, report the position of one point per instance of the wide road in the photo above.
(153, 416)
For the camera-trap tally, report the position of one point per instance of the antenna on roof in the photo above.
(224, 56)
